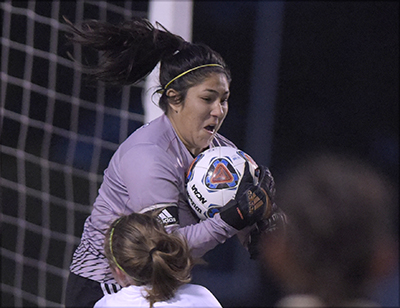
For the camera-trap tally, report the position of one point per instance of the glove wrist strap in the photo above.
(232, 215)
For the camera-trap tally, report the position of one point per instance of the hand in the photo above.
(251, 202)
(276, 223)
(267, 182)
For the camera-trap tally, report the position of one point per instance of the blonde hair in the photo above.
(139, 245)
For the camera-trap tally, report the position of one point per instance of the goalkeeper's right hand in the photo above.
(250, 204)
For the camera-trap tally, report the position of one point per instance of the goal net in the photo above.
(57, 136)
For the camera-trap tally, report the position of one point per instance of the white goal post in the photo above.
(176, 16)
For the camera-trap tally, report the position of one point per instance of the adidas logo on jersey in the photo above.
(167, 218)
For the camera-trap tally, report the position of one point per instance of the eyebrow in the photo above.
(215, 91)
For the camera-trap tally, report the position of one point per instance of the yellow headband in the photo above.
(111, 249)
(115, 260)
(188, 71)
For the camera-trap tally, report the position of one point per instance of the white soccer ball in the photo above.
(213, 178)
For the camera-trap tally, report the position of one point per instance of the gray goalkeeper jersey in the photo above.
(148, 169)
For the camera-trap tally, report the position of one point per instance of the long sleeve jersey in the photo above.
(148, 169)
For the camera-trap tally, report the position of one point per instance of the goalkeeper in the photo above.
(147, 172)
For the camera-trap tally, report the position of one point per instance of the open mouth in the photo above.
(210, 128)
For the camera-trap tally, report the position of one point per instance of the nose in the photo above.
(217, 110)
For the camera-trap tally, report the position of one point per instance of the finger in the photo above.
(247, 177)
(261, 174)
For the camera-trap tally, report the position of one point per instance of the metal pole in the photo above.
(264, 80)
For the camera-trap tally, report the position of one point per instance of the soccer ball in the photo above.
(213, 178)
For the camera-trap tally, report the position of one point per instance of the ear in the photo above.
(119, 276)
(174, 100)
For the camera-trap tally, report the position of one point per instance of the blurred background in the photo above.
(307, 75)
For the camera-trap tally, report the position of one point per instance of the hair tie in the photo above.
(152, 251)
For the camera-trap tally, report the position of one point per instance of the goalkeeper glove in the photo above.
(275, 223)
(251, 202)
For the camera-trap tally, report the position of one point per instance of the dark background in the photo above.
(335, 87)
(337, 84)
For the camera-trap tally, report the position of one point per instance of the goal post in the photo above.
(176, 16)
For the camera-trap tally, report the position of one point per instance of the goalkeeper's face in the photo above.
(198, 118)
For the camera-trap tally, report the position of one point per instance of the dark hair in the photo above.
(149, 255)
(338, 209)
(132, 49)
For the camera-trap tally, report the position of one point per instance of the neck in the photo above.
(193, 150)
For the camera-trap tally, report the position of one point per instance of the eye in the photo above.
(224, 102)
(207, 99)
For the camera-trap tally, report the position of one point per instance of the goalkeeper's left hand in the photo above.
(273, 220)
(266, 181)
(251, 202)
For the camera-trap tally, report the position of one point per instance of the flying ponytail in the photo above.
(128, 51)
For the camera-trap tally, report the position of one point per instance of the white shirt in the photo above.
(188, 295)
